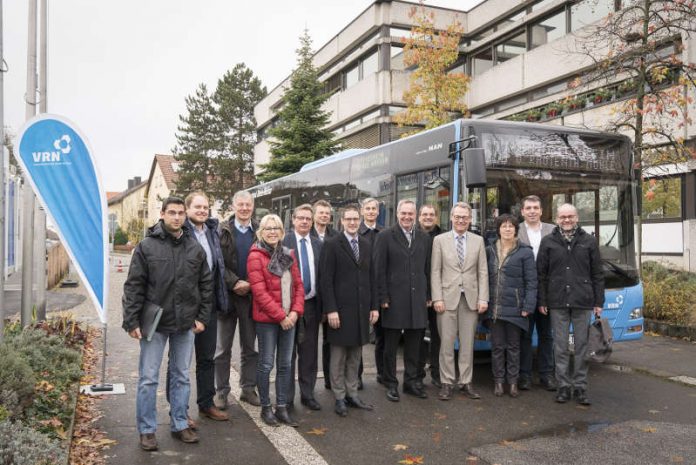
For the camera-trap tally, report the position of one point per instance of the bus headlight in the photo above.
(636, 313)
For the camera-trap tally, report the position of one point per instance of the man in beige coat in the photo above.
(459, 287)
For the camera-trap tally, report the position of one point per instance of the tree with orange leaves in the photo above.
(434, 96)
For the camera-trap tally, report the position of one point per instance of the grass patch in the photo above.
(669, 294)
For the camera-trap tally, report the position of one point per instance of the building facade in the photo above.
(128, 209)
(522, 56)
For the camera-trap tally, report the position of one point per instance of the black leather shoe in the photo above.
(340, 408)
(356, 402)
(360, 384)
(548, 383)
(581, 397)
(393, 394)
(563, 395)
(415, 391)
(525, 384)
(283, 416)
(311, 404)
(268, 417)
(445, 392)
(468, 390)
(498, 389)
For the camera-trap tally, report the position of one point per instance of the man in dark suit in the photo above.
(430, 352)
(350, 304)
(532, 230)
(305, 353)
(322, 230)
(369, 229)
(402, 255)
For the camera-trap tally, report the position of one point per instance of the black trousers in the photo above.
(412, 342)
(544, 347)
(305, 354)
(204, 344)
(430, 353)
(505, 351)
(379, 347)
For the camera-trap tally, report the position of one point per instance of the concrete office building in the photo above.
(519, 54)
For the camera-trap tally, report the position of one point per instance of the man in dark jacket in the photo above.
(305, 353)
(350, 304)
(571, 287)
(402, 255)
(168, 269)
(205, 230)
(236, 238)
(369, 210)
(430, 352)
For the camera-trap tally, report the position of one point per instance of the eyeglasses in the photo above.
(461, 218)
(351, 219)
(568, 217)
(273, 228)
(303, 218)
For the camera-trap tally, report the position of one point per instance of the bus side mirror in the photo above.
(474, 167)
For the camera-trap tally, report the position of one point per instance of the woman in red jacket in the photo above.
(278, 302)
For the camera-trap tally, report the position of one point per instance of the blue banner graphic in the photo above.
(60, 166)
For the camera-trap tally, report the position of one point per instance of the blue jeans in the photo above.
(151, 353)
(270, 336)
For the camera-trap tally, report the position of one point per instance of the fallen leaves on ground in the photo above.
(318, 431)
(411, 460)
(400, 447)
(677, 459)
(88, 442)
(440, 416)
(437, 437)
(649, 429)
(654, 411)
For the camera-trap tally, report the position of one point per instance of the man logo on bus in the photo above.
(62, 146)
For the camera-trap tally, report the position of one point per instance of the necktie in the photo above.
(460, 250)
(408, 237)
(304, 259)
(356, 252)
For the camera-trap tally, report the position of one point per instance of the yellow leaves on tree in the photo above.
(434, 96)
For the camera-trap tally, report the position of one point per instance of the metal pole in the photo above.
(102, 386)
(28, 200)
(2, 180)
(40, 214)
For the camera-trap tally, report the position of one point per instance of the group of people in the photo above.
(282, 287)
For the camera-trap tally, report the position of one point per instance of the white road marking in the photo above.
(684, 379)
(287, 440)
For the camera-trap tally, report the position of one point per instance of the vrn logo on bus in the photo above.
(62, 147)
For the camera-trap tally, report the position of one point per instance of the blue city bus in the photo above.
(492, 165)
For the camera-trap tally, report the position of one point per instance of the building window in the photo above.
(482, 61)
(397, 58)
(662, 198)
(352, 76)
(370, 64)
(588, 12)
(541, 4)
(547, 30)
(510, 47)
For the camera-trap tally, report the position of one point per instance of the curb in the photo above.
(669, 329)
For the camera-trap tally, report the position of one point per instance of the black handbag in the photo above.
(600, 339)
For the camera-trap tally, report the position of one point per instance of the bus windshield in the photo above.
(591, 172)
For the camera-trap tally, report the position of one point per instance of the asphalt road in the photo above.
(643, 412)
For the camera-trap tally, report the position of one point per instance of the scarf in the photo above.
(569, 235)
(281, 260)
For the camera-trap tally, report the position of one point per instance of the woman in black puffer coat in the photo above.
(512, 277)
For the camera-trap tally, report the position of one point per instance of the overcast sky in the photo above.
(120, 69)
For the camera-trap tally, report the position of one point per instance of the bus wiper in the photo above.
(617, 269)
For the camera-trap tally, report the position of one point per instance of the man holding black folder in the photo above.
(169, 269)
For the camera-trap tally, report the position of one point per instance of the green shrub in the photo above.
(16, 382)
(669, 294)
(20, 445)
(120, 237)
(47, 354)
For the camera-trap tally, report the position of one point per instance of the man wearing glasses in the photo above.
(459, 286)
(571, 287)
(305, 352)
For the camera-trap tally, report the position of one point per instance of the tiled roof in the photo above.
(168, 164)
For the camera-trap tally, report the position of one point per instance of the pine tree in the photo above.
(434, 96)
(199, 141)
(300, 136)
(237, 92)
